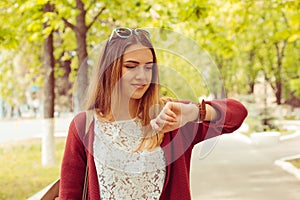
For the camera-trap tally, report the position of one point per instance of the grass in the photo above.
(21, 172)
(295, 162)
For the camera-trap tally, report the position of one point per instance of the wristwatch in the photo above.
(202, 111)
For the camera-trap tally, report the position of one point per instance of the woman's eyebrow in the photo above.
(137, 62)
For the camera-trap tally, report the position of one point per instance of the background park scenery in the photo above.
(47, 48)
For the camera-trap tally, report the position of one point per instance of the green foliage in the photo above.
(295, 86)
(178, 78)
(242, 38)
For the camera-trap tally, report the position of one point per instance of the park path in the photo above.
(239, 170)
(23, 129)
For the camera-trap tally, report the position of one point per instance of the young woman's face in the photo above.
(136, 71)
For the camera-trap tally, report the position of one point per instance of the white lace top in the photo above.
(122, 173)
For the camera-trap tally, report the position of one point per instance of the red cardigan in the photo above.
(177, 146)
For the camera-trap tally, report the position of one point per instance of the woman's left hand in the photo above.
(173, 116)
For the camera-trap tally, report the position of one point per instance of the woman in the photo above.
(138, 146)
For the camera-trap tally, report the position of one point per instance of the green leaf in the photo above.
(295, 86)
(47, 31)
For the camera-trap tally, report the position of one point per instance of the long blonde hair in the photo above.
(107, 74)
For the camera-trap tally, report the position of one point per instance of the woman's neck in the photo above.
(125, 110)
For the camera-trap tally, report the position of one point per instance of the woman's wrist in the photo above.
(192, 112)
(205, 112)
(211, 113)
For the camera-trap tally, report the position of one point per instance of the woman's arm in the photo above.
(73, 163)
(221, 116)
(230, 116)
(211, 113)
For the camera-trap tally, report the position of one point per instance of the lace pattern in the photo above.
(122, 173)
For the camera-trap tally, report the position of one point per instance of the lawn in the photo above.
(21, 172)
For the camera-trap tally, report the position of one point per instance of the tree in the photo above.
(81, 28)
(48, 142)
(49, 62)
(243, 37)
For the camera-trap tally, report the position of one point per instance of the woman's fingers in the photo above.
(154, 125)
(167, 118)
(161, 121)
(163, 127)
(167, 114)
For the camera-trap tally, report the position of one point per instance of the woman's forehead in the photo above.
(138, 52)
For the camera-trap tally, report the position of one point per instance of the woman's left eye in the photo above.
(148, 67)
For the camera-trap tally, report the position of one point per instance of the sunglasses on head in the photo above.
(127, 32)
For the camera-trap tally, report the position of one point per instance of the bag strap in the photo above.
(89, 115)
(85, 186)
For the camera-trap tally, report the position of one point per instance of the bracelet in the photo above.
(202, 111)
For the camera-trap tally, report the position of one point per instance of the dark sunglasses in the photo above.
(127, 32)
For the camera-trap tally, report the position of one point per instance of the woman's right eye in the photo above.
(130, 66)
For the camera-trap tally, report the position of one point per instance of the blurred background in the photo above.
(46, 48)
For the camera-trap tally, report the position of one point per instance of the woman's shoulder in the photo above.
(83, 116)
(81, 122)
(79, 116)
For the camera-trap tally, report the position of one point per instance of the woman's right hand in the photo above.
(173, 116)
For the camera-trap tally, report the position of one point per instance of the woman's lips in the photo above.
(139, 86)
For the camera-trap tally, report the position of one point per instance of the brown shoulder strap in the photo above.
(85, 186)
(89, 118)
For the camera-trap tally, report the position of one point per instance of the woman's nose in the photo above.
(141, 73)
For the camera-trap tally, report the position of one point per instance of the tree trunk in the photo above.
(278, 75)
(49, 63)
(278, 92)
(217, 85)
(251, 85)
(252, 73)
(48, 142)
(49, 77)
(80, 30)
(82, 74)
(63, 87)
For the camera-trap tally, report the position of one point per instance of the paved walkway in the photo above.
(23, 129)
(237, 170)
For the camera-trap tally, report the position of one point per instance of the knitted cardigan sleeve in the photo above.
(231, 114)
